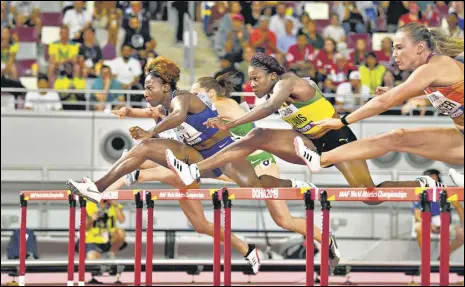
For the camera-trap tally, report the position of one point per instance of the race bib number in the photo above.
(445, 106)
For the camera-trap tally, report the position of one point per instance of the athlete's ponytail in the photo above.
(435, 39)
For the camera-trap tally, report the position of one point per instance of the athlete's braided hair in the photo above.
(266, 63)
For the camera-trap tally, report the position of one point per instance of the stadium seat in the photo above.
(50, 34)
(26, 34)
(51, 19)
(24, 66)
(27, 51)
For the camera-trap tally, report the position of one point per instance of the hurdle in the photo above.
(223, 198)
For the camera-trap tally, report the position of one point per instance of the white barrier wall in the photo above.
(51, 147)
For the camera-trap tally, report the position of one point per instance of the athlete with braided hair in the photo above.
(299, 102)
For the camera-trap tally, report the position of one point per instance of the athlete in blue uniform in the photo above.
(185, 113)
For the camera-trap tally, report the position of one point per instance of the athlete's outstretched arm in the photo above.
(281, 93)
(180, 106)
(413, 87)
(126, 112)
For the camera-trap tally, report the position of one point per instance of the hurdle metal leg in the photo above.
(149, 243)
(309, 210)
(71, 234)
(426, 239)
(324, 266)
(138, 243)
(444, 240)
(22, 242)
(227, 204)
(82, 241)
(216, 239)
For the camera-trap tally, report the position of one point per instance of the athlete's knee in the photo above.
(140, 148)
(285, 222)
(202, 227)
(265, 180)
(255, 135)
(397, 139)
(250, 181)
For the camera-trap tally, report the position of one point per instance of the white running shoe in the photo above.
(86, 189)
(302, 184)
(311, 158)
(188, 173)
(254, 260)
(456, 177)
(428, 181)
(334, 253)
(131, 178)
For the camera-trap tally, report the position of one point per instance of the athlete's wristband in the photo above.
(344, 121)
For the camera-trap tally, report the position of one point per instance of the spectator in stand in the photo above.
(138, 39)
(442, 9)
(313, 37)
(128, 71)
(339, 8)
(381, 20)
(304, 19)
(226, 24)
(136, 10)
(299, 57)
(325, 58)
(278, 21)
(353, 19)
(352, 94)
(103, 236)
(385, 55)
(357, 57)
(77, 20)
(26, 13)
(106, 16)
(339, 73)
(4, 14)
(10, 47)
(413, 15)
(395, 10)
(90, 56)
(457, 7)
(389, 80)
(287, 40)
(71, 80)
(335, 30)
(62, 52)
(256, 12)
(217, 12)
(372, 72)
(243, 66)
(106, 82)
(453, 26)
(227, 67)
(43, 101)
(263, 37)
(432, 16)
(236, 39)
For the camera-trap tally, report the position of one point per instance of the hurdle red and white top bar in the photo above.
(333, 194)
